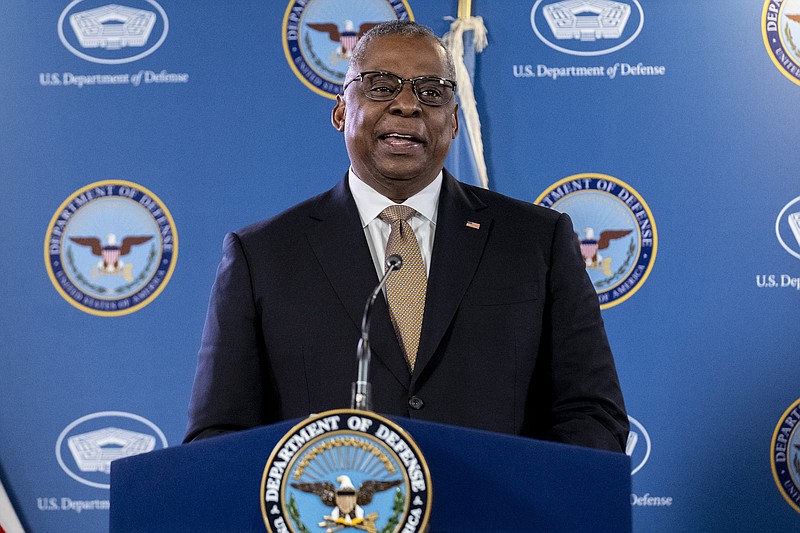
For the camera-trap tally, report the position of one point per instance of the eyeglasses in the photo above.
(385, 86)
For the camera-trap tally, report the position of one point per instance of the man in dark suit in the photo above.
(511, 338)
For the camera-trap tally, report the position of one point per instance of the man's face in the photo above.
(399, 146)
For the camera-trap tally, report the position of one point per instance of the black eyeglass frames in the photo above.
(385, 86)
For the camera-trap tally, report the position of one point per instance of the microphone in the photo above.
(362, 389)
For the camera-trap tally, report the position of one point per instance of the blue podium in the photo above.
(482, 482)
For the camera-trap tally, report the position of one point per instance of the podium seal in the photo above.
(346, 470)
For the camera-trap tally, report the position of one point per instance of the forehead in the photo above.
(406, 56)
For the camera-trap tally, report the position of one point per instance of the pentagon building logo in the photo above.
(787, 227)
(86, 447)
(569, 20)
(638, 446)
(112, 27)
(94, 451)
(111, 33)
(587, 27)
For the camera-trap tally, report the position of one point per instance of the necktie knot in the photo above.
(395, 213)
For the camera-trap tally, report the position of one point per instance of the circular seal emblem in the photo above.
(86, 447)
(112, 34)
(319, 36)
(785, 455)
(587, 28)
(111, 248)
(780, 27)
(615, 228)
(346, 469)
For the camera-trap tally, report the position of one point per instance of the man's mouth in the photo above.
(400, 140)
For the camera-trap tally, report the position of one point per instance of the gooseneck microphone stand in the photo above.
(362, 389)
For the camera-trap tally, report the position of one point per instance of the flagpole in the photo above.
(477, 41)
(464, 9)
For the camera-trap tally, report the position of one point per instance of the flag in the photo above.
(467, 36)
(9, 523)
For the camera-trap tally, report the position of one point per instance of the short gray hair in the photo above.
(405, 28)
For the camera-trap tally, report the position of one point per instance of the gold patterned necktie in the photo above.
(405, 290)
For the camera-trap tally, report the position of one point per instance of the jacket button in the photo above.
(415, 402)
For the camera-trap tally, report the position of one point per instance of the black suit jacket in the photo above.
(512, 339)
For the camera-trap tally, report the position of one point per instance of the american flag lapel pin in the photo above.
(473, 225)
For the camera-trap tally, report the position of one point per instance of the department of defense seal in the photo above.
(615, 228)
(785, 455)
(111, 248)
(319, 36)
(346, 469)
(780, 28)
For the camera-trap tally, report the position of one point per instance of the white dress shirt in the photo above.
(370, 203)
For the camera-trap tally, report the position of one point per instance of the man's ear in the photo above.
(455, 121)
(337, 115)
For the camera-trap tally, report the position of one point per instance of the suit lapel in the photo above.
(337, 239)
(457, 250)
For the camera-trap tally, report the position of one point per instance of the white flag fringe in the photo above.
(454, 40)
(9, 523)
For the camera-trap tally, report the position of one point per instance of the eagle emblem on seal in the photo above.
(347, 502)
(110, 254)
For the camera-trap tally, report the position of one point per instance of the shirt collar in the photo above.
(370, 202)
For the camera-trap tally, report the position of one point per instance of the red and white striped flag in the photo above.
(9, 523)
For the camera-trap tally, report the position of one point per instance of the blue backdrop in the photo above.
(688, 106)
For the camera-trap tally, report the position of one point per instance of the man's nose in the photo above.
(406, 102)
